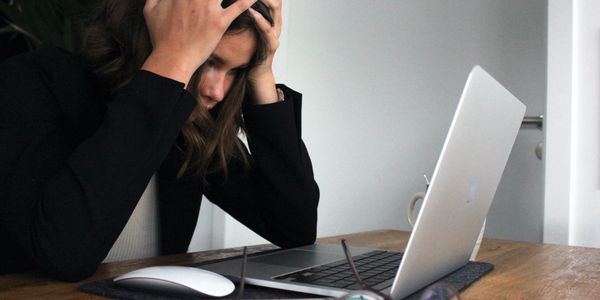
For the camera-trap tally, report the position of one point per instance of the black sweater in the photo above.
(74, 163)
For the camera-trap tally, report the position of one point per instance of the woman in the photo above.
(162, 87)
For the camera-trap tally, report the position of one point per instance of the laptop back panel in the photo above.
(463, 185)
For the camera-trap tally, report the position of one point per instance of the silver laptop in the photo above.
(462, 187)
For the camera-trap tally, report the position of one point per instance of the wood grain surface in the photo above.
(522, 270)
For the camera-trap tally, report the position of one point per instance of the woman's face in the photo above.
(231, 56)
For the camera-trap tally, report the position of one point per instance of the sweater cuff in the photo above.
(280, 117)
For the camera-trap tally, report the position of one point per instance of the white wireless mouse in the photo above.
(177, 279)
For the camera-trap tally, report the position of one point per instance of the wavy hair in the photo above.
(117, 43)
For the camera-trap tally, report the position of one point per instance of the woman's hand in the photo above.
(185, 32)
(261, 78)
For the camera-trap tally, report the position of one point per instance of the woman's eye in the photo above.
(236, 71)
(210, 63)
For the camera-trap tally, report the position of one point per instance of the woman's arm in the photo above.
(278, 197)
(65, 204)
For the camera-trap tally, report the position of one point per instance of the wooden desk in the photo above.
(522, 270)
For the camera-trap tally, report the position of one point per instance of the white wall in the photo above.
(578, 84)
(573, 164)
(558, 122)
(585, 197)
(381, 80)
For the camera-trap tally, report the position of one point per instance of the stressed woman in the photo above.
(161, 90)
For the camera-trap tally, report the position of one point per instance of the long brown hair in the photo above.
(116, 45)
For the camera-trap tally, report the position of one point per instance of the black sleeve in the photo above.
(63, 205)
(278, 196)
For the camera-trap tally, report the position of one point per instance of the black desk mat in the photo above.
(459, 279)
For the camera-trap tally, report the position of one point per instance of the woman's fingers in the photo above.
(263, 24)
(150, 4)
(271, 30)
(236, 9)
(275, 7)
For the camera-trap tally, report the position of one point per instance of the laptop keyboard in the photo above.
(374, 268)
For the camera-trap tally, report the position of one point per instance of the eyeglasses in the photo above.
(367, 292)
(243, 273)
(438, 291)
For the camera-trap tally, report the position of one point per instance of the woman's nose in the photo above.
(212, 85)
